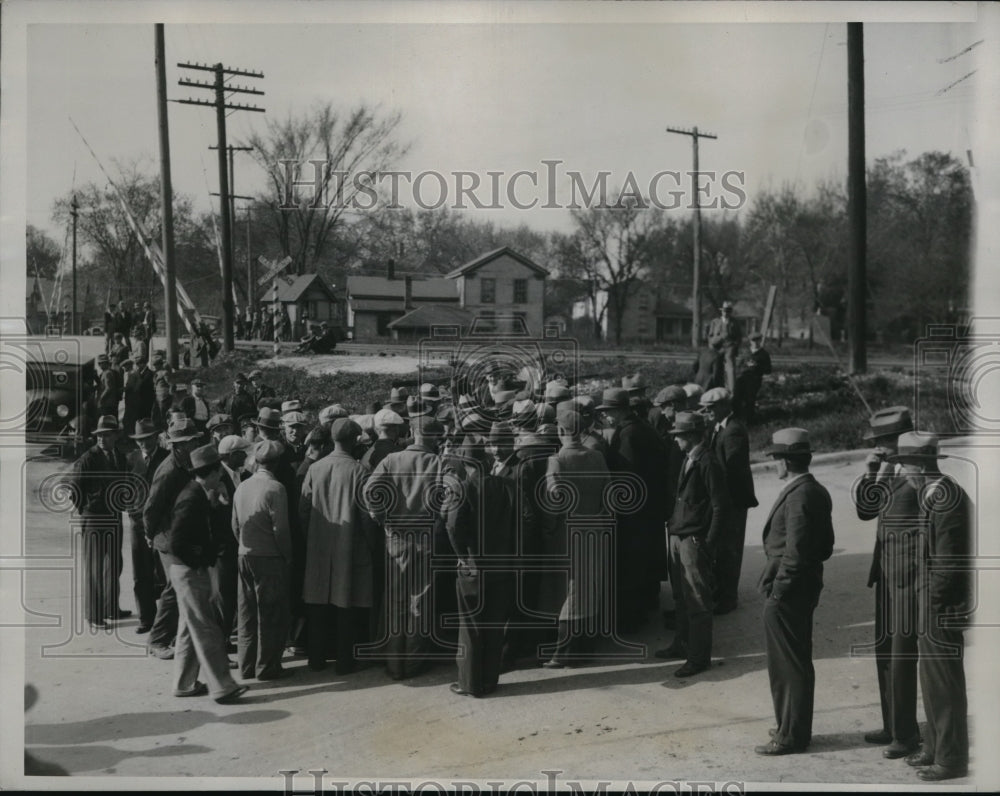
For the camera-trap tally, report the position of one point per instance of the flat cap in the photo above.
(294, 405)
(345, 430)
(219, 420)
(427, 426)
(330, 413)
(717, 395)
(386, 417)
(670, 394)
(232, 442)
(268, 451)
(294, 419)
(692, 390)
(789, 442)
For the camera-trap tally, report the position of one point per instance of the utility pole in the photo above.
(221, 106)
(166, 205)
(74, 210)
(696, 277)
(232, 187)
(857, 200)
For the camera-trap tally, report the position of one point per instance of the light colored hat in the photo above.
(108, 424)
(387, 417)
(716, 395)
(330, 413)
(232, 443)
(291, 406)
(182, 430)
(268, 451)
(688, 423)
(269, 418)
(294, 419)
(889, 422)
(634, 383)
(789, 442)
(670, 394)
(917, 448)
(556, 390)
(692, 390)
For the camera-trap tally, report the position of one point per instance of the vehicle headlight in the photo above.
(62, 410)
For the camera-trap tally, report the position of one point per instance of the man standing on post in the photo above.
(696, 528)
(146, 568)
(944, 596)
(730, 443)
(884, 493)
(95, 474)
(170, 478)
(724, 335)
(260, 519)
(755, 367)
(798, 538)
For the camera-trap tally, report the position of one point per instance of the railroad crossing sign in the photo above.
(274, 267)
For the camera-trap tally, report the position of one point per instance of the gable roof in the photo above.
(480, 261)
(291, 288)
(380, 287)
(432, 315)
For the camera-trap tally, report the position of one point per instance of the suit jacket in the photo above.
(722, 336)
(169, 479)
(109, 391)
(798, 538)
(946, 515)
(702, 503)
(189, 538)
(895, 503)
(238, 405)
(94, 474)
(145, 471)
(188, 405)
(731, 446)
(640, 450)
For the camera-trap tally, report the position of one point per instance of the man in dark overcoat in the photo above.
(147, 571)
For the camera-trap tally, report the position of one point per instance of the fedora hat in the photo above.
(269, 418)
(917, 448)
(182, 430)
(268, 451)
(143, 429)
(688, 423)
(889, 422)
(429, 392)
(789, 442)
(614, 398)
(556, 391)
(398, 395)
(204, 456)
(330, 413)
(108, 424)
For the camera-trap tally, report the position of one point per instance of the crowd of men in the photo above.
(351, 538)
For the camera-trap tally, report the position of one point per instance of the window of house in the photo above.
(520, 291)
(487, 290)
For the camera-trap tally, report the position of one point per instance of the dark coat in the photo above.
(94, 475)
(640, 450)
(798, 538)
(731, 446)
(895, 503)
(238, 405)
(946, 520)
(109, 391)
(138, 467)
(702, 504)
(188, 537)
(170, 478)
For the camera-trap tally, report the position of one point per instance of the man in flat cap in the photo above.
(755, 367)
(240, 402)
(196, 406)
(883, 493)
(945, 599)
(642, 545)
(730, 442)
(258, 388)
(724, 335)
(696, 526)
(667, 403)
(189, 550)
(170, 478)
(95, 477)
(798, 538)
(398, 496)
(295, 430)
(147, 570)
(218, 427)
(389, 425)
(636, 386)
(260, 521)
(338, 587)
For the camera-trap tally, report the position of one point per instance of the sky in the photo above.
(480, 97)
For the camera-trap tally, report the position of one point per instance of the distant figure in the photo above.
(724, 335)
(755, 367)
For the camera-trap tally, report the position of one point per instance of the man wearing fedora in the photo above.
(171, 476)
(189, 549)
(259, 389)
(724, 335)
(641, 540)
(696, 526)
(883, 493)
(147, 571)
(100, 470)
(797, 538)
(730, 442)
(945, 601)
(636, 386)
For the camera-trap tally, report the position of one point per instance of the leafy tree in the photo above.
(43, 253)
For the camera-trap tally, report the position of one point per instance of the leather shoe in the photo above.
(882, 737)
(898, 749)
(143, 629)
(689, 669)
(920, 758)
(200, 689)
(672, 653)
(163, 653)
(122, 613)
(774, 748)
(670, 620)
(554, 664)
(936, 773)
(457, 689)
(233, 696)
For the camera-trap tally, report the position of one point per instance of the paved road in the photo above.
(106, 709)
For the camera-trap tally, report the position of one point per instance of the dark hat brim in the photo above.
(917, 458)
(144, 436)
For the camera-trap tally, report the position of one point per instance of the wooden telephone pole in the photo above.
(696, 276)
(857, 200)
(166, 205)
(221, 106)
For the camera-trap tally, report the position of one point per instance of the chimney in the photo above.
(408, 293)
(390, 269)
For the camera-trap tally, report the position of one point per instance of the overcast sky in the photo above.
(503, 97)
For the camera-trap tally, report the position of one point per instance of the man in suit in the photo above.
(189, 550)
(240, 402)
(96, 473)
(724, 335)
(755, 367)
(798, 538)
(945, 599)
(224, 573)
(195, 406)
(730, 442)
(642, 545)
(109, 391)
(147, 571)
(696, 527)
(883, 493)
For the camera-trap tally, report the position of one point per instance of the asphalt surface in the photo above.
(105, 709)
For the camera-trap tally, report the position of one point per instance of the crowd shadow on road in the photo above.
(98, 758)
(137, 725)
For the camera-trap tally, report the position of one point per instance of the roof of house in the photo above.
(292, 288)
(376, 305)
(380, 287)
(432, 315)
(480, 261)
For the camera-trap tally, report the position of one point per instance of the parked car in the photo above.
(61, 405)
